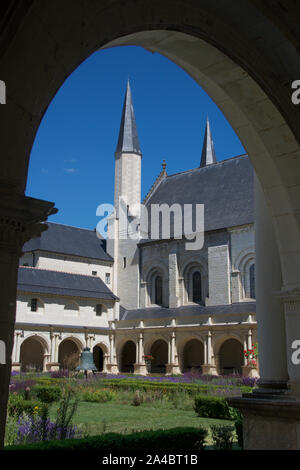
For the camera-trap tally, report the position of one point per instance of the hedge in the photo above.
(191, 389)
(47, 394)
(214, 407)
(172, 441)
(17, 405)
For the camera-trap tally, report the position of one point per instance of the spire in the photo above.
(128, 137)
(208, 156)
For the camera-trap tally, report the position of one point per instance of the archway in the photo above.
(128, 357)
(68, 354)
(159, 350)
(98, 356)
(32, 355)
(231, 357)
(252, 88)
(193, 356)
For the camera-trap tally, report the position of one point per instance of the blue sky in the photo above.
(72, 159)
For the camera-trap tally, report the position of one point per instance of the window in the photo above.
(98, 310)
(94, 273)
(158, 290)
(33, 305)
(124, 262)
(197, 294)
(252, 281)
(107, 278)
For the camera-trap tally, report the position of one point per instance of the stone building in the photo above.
(144, 295)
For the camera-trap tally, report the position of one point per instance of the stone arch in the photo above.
(69, 350)
(33, 350)
(100, 352)
(192, 355)
(230, 355)
(233, 66)
(158, 348)
(128, 356)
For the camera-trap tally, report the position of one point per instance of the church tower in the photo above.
(123, 248)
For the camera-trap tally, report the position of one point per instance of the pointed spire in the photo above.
(208, 156)
(128, 137)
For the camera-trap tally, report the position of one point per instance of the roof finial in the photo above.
(208, 156)
(164, 165)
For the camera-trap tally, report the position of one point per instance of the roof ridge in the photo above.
(208, 166)
(162, 175)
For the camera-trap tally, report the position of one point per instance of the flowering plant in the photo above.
(251, 355)
(148, 357)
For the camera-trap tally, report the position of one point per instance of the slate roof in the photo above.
(225, 188)
(43, 281)
(70, 241)
(128, 141)
(153, 313)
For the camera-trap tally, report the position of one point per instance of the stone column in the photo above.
(16, 365)
(140, 366)
(173, 367)
(113, 366)
(271, 417)
(270, 310)
(209, 367)
(19, 221)
(52, 365)
(291, 301)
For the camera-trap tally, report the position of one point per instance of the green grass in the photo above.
(125, 418)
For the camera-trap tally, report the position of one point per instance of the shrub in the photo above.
(222, 437)
(212, 407)
(99, 396)
(160, 442)
(137, 399)
(47, 394)
(17, 405)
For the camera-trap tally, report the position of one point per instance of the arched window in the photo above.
(158, 290)
(252, 281)
(197, 288)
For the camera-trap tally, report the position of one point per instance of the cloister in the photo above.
(245, 55)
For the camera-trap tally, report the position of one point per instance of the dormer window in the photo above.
(99, 310)
(33, 305)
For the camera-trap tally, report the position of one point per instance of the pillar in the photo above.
(172, 368)
(269, 309)
(208, 368)
(113, 366)
(19, 221)
(271, 416)
(16, 365)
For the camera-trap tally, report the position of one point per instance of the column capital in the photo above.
(289, 295)
(20, 220)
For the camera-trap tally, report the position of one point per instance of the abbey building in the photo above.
(128, 298)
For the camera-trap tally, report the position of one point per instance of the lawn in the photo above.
(95, 418)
